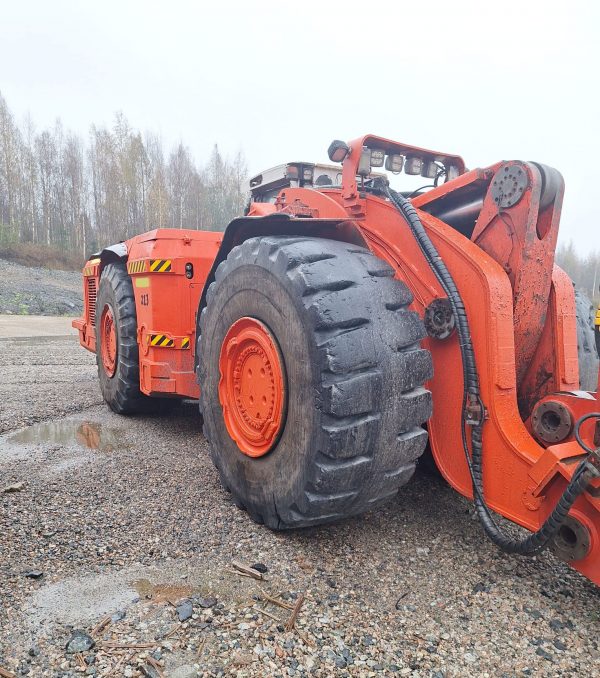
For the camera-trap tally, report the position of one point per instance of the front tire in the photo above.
(354, 375)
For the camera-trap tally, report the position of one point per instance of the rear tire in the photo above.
(354, 378)
(121, 390)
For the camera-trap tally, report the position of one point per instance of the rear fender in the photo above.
(279, 223)
(112, 254)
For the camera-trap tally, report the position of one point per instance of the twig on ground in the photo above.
(156, 665)
(5, 673)
(100, 626)
(117, 665)
(255, 574)
(240, 574)
(128, 646)
(275, 601)
(267, 614)
(292, 620)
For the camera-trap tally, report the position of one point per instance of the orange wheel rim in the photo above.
(252, 386)
(108, 342)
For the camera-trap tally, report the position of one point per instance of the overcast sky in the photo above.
(280, 80)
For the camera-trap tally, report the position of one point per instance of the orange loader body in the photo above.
(499, 248)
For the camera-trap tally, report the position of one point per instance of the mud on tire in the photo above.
(355, 375)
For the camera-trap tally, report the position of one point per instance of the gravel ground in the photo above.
(121, 538)
(39, 291)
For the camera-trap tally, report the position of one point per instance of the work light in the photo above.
(429, 169)
(413, 165)
(377, 157)
(338, 150)
(394, 163)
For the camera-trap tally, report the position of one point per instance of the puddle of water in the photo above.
(78, 600)
(88, 434)
(171, 593)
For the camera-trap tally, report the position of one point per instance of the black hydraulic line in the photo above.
(474, 410)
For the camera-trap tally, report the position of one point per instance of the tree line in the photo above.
(62, 191)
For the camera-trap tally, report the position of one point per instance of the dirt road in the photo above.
(116, 544)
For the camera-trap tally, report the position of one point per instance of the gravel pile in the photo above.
(39, 291)
(117, 554)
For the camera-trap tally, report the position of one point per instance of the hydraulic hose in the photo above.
(474, 410)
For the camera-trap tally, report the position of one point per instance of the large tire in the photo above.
(121, 390)
(587, 352)
(355, 375)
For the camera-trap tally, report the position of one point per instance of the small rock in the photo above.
(184, 610)
(260, 567)
(556, 625)
(546, 655)
(480, 587)
(79, 641)
(469, 657)
(536, 614)
(207, 602)
(34, 651)
(34, 574)
(117, 616)
(559, 645)
(422, 551)
(242, 659)
(15, 487)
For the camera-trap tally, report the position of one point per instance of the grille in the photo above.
(91, 299)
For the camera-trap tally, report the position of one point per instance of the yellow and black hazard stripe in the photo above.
(185, 342)
(90, 266)
(160, 266)
(162, 340)
(138, 266)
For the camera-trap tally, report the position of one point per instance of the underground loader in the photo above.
(341, 327)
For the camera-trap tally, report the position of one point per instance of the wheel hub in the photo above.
(252, 386)
(108, 343)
